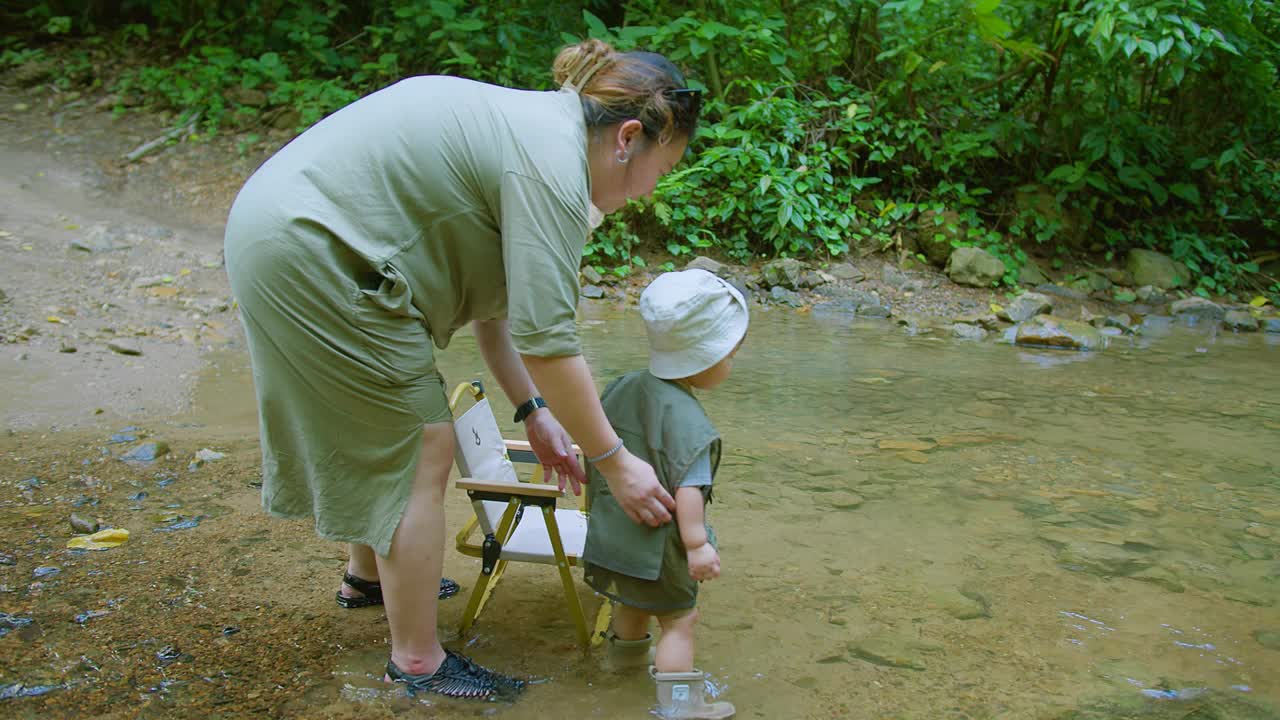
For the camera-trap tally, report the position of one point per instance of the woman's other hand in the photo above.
(554, 449)
(636, 488)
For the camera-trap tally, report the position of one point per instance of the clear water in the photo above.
(1107, 523)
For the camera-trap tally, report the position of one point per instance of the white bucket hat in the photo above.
(693, 319)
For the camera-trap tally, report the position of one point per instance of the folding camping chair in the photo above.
(547, 536)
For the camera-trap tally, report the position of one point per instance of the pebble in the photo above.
(890, 650)
(1261, 531)
(914, 456)
(9, 623)
(840, 500)
(1268, 639)
(66, 347)
(83, 526)
(124, 347)
(1146, 506)
(146, 452)
(906, 444)
(45, 571)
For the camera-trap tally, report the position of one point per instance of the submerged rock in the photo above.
(964, 331)
(592, 292)
(1240, 321)
(124, 347)
(1269, 639)
(146, 452)
(9, 623)
(1101, 559)
(892, 650)
(784, 296)
(1199, 309)
(1049, 331)
(962, 604)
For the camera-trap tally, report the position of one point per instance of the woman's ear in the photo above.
(628, 135)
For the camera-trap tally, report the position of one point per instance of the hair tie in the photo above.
(583, 77)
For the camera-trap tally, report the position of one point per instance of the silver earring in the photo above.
(623, 157)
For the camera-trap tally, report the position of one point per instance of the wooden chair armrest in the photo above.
(501, 487)
(525, 446)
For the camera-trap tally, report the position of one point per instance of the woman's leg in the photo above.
(675, 647)
(410, 573)
(362, 563)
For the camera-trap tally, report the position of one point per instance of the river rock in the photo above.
(890, 649)
(847, 272)
(1101, 559)
(1160, 577)
(1271, 324)
(961, 604)
(82, 525)
(936, 231)
(1031, 274)
(591, 275)
(974, 267)
(844, 306)
(964, 331)
(1026, 306)
(1119, 321)
(1149, 267)
(839, 500)
(124, 346)
(1096, 282)
(784, 296)
(1240, 321)
(705, 263)
(1060, 291)
(592, 292)
(1049, 331)
(785, 273)
(986, 321)
(1118, 276)
(146, 451)
(894, 277)
(1199, 308)
(1150, 295)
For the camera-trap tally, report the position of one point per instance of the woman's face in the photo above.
(646, 162)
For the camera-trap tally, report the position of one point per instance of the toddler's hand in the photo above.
(704, 562)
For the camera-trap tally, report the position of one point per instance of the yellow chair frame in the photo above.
(488, 547)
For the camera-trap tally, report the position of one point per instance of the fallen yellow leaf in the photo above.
(55, 319)
(184, 272)
(997, 308)
(101, 540)
(1258, 301)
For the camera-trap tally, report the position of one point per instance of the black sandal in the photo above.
(371, 592)
(459, 677)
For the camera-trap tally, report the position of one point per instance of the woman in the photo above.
(388, 226)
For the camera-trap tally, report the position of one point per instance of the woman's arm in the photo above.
(550, 443)
(570, 392)
(494, 340)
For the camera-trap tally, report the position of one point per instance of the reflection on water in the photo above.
(918, 527)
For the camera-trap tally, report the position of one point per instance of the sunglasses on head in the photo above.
(688, 99)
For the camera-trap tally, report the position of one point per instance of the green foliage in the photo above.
(1076, 129)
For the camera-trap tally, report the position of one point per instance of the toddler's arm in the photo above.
(704, 561)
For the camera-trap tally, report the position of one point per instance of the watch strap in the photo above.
(527, 407)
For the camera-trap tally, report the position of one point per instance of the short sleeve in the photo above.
(542, 241)
(699, 474)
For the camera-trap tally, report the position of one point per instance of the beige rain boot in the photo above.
(681, 696)
(624, 655)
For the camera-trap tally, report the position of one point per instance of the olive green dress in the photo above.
(382, 229)
(639, 566)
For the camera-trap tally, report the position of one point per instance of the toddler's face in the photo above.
(716, 374)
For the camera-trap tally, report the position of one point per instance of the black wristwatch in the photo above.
(526, 409)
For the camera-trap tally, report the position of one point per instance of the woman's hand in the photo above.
(554, 449)
(636, 488)
(704, 562)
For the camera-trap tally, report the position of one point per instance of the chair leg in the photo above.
(566, 577)
(488, 581)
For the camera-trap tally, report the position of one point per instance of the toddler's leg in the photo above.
(675, 647)
(630, 623)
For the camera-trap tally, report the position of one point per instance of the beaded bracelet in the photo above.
(607, 455)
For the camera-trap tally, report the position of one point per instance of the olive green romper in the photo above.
(663, 424)
(382, 229)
